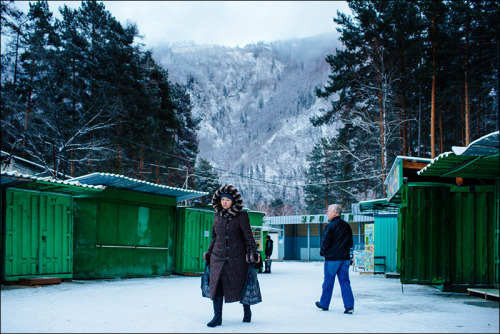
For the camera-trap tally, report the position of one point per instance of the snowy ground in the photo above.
(174, 304)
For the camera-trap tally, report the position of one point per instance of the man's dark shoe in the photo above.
(349, 310)
(318, 305)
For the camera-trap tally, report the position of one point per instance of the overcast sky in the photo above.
(230, 23)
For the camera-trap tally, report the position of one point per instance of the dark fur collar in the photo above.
(237, 203)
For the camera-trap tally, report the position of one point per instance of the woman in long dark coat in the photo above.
(231, 250)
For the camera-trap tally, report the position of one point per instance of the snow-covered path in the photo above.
(174, 304)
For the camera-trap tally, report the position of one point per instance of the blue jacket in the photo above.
(337, 241)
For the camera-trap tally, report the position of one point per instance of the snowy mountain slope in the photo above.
(255, 104)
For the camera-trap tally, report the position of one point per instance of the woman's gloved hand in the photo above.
(253, 257)
(206, 257)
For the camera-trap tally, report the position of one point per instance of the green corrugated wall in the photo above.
(124, 234)
(472, 235)
(386, 237)
(194, 234)
(38, 235)
(421, 254)
(446, 235)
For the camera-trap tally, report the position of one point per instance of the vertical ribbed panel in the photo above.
(38, 234)
(448, 235)
(386, 238)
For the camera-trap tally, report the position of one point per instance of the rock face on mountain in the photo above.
(255, 104)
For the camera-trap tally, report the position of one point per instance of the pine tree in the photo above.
(318, 191)
(409, 78)
(89, 98)
(206, 179)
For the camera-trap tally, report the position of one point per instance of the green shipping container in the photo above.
(447, 236)
(120, 233)
(472, 235)
(38, 235)
(423, 231)
(386, 239)
(194, 234)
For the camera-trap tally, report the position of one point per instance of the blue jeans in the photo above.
(340, 269)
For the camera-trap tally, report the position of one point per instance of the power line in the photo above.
(153, 149)
(243, 176)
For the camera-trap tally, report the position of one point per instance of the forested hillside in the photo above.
(413, 78)
(254, 104)
(294, 125)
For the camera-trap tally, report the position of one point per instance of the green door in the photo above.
(423, 234)
(197, 237)
(386, 238)
(39, 235)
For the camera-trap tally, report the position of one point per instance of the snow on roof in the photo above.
(123, 182)
(8, 177)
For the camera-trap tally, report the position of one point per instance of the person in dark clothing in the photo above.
(269, 251)
(230, 252)
(335, 247)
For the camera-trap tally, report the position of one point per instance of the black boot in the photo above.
(247, 314)
(217, 320)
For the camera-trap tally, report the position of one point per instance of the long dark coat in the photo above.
(232, 239)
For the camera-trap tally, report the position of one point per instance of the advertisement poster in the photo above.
(257, 235)
(359, 258)
(369, 246)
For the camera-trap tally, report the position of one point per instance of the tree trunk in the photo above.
(326, 179)
(440, 131)
(72, 172)
(480, 109)
(404, 125)
(382, 116)
(119, 152)
(157, 172)
(141, 163)
(90, 157)
(467, 104)
(54, 158)
(433, 96)
(30, 93)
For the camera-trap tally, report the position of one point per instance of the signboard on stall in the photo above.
(369, 246)
(395, 179)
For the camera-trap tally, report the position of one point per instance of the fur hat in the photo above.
(237, 203)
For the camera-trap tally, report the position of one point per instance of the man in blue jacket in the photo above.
(335, 247)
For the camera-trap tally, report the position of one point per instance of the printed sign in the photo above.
(395, 180)
(314, 219)
(369, 246)
(359, 258)
(257, 235)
